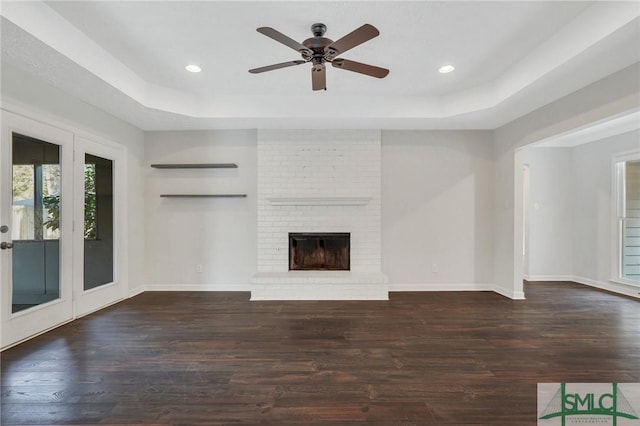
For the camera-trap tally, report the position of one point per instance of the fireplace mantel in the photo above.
(318, 200)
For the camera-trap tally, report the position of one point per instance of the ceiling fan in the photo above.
(318, 50)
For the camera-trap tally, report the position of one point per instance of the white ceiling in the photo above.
(128, 58)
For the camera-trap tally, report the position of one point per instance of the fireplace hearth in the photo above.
(316, 251)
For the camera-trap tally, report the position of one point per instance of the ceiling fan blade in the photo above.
(319, 77)
(351, 40)
(354, 66)
(281, 38)
(277, 66)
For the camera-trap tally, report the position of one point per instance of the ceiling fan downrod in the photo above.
(318, 29)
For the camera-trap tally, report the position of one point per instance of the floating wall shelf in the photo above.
(196, 166)
(203, 195)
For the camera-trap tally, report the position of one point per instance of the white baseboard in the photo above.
(507, 292)
(440, 287)
(612, 286)
(459, 287)
(197, 287)
(136, 291)
(534, 278)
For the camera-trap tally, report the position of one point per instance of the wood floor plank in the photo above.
(432, 358)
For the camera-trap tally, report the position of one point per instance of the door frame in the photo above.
(526, 213)
(87, 301)
(19, 326)
(50, 125)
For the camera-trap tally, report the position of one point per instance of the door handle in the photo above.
(6, 246)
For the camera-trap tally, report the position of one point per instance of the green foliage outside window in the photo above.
(22, 181)
(52, 204)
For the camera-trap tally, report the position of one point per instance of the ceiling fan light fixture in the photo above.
(445, 69)
(319, 50)
(193, 68)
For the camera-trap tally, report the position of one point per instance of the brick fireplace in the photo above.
(319, 181)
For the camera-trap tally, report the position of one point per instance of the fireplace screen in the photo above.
(319, 251)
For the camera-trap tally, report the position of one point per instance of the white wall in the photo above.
(32, 97)
(551, 199)
(611, 96)
(437, 209)
(181, 233)
(593, 215)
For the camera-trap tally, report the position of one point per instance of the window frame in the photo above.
(618, 214)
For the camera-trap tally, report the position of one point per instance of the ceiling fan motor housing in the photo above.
(317, 43)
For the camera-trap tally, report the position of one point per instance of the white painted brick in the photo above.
(321, 163)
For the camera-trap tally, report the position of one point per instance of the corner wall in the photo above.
(437, 210)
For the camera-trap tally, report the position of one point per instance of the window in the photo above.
(98, 221)
(627, 182)
(36, 190)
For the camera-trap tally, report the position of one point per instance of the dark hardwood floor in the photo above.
(458, 358)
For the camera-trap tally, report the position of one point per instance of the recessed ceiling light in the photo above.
(446, 69)
(193, 68)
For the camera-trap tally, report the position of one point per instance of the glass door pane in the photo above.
(98, 221)
(36, 198)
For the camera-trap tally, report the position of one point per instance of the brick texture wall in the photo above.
(319, 163)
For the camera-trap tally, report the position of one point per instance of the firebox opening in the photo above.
(317, 251)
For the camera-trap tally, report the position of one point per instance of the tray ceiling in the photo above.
(129, 59)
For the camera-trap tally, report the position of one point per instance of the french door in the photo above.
(52, 268)
(100, 174)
